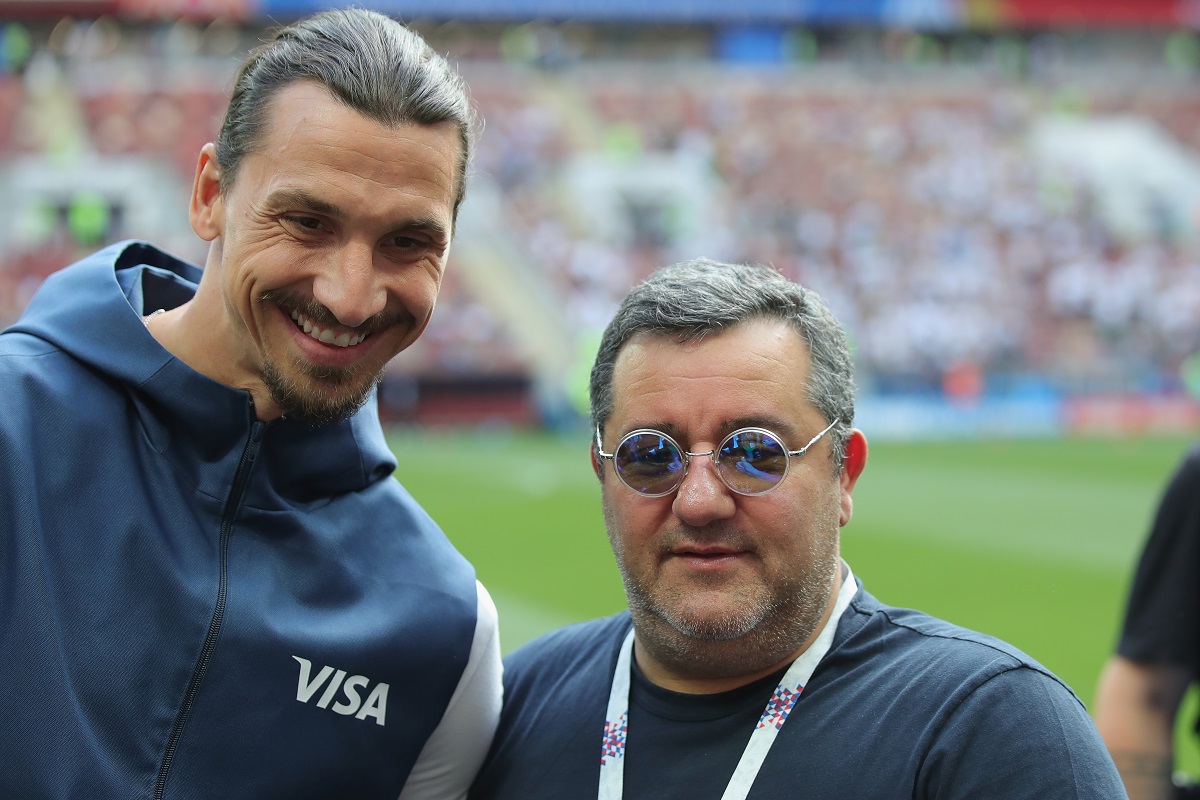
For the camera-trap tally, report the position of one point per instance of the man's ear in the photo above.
(597, 464)
(206, 208)
(853, 464)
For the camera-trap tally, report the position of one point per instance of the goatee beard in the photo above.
(330, 398)
(332, 394)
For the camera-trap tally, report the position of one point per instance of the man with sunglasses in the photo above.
(752, 662)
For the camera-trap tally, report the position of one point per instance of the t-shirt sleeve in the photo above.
(1021, 735)
(456, 749)
(1162, 618)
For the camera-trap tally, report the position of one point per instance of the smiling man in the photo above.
(752, 662)
(333, 233)
(213, 585)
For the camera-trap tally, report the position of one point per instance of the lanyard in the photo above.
(616, 724)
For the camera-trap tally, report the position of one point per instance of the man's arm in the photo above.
(1136, 704)
(456, 749)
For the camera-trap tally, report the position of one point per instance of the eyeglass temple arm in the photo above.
(600, 447)
(813, 440)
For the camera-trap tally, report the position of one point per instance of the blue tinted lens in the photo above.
(752, 461)
(649, 463)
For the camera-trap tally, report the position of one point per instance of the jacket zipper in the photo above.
(257, 430)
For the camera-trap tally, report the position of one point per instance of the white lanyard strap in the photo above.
(616, 725)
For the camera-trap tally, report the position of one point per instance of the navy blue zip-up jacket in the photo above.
(195, 603)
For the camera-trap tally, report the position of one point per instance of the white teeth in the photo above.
(326, 336)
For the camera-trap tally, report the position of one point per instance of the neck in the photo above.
(698, 670)
(187, 332)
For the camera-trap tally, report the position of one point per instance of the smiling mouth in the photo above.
(326, 335)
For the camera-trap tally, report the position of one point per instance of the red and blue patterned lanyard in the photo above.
(616, 725)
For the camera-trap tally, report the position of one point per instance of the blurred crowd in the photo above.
(921, 199)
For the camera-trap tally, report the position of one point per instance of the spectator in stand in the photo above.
(956, 225)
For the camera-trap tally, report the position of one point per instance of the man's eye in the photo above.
(307, 223)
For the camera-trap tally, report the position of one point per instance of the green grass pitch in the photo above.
(1032, 541)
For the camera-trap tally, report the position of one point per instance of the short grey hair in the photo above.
(369, 61)
(693, 299)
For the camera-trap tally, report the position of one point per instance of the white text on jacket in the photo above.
(350, 701)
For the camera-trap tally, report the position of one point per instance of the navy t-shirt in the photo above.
(903, 705)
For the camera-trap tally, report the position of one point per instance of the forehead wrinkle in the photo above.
(433, 159)
(771, 420)
(385, 164)
(433, 155)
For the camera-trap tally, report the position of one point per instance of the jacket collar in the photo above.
(93, 310)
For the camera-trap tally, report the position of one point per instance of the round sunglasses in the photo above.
(750, 461)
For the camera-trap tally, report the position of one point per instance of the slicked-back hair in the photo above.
(694, 299)
(369, 61)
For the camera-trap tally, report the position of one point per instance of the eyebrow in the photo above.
(432, 227)
(298, 198)
(283, 198)
(772, 423)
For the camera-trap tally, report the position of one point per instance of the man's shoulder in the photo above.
(978, 716)
(41, 373)
(16, 345)
(1186, 477)
(904, 640)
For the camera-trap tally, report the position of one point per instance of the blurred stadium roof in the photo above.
(926, 14)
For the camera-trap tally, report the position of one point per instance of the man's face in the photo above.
(331, 244)
(705, 563)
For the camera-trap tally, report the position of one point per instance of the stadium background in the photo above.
(999, 197)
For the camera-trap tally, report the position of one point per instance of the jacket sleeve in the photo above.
(456, 749)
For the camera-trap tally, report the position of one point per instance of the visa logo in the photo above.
(349, 700)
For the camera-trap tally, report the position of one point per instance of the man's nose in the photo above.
(350, 286)
(702, 497)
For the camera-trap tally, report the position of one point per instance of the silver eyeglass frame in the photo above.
(687, 456)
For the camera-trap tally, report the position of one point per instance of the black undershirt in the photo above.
(688, 745)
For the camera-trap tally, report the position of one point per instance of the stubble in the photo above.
(725, 630)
